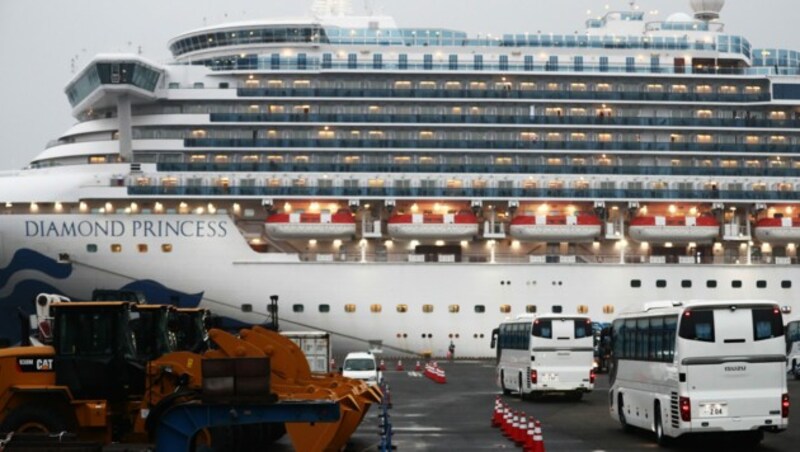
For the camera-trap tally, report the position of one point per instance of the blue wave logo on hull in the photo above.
(25, 259)
(157, 293)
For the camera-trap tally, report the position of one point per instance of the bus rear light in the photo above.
(785, 406)
(686, 409)
(534, 377)
(592, 376)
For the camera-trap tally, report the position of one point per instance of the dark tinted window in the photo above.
(557, 309)
(324, 308)
(697, 325)
(636, 283)
(583, 328)
(711, 283)
(686, 283)
(661, 283)
(543, 328)
(480, 309)
(298, 308)
(767, 323)
(786, 284)
(736, 284)
(761, 284)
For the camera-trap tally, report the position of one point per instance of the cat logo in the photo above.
(44, 364)
(35, 364)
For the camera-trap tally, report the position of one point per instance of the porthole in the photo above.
(530, 309)
(636, 283)
(661, 283)
(454, 308)
(116, 248)
(427, 308)
(786, 284)
(430, 335)
(402, 308)
(608, 309)
(166, 248)
(711, 283)
(736, 284)
(583, 309)
(91, 248)
(247, 307)
(375, 308)
(142, 247)
(324, 308)
(686, 283)
(298, 308)
(480, 309)
(350, 308)
(505, 308)
(761, 284)
(558, 309)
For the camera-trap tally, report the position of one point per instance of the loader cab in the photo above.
(190, 327)
(152, 335)
(95, 350)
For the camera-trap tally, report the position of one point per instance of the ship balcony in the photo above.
(507, 145)
(605, 121)
(467, 193)
(609, 96)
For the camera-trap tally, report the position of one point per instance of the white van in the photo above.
(361, 366)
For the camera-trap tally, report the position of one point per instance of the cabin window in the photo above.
(583, 309)
(686, 283)
(558, 309)
(376, 308)
(402, 308)
(298, 308)
(661, 283)
(350, 308)
(480, 309)
(505, 308)
(116, 248)
(530, 309)
(247, 307)
(427, 308)
(142, 247)
(91, 248)
(736, 284)
(761, 284)
(608, 309)
(166, 247)
(454, 308)
(324, 308)
(786, 284)
(636, 283)
(711, 284)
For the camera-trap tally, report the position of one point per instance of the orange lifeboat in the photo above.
(778, 230)
(555, 228)
(311, 225)
(674, 229)
(462, 225)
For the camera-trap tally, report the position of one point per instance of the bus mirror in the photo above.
(494, 338)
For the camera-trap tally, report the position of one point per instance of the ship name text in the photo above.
(135, 228)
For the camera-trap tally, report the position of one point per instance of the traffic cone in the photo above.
(441, 378)
(528, 447)
(522, 428)
(399, 365)
(538, 439)
(382, 366)
(497, 412)
(506, 420)
(417, 368)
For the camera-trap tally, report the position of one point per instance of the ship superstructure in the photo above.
(409, 187)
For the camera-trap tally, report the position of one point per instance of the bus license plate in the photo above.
(713, 409)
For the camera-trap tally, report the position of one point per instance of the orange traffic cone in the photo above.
(441, 377)
(506, 420)
(382, 366)
(497, 412)
(522, 428)
(528, 447)
(538, 439)
(399, 365)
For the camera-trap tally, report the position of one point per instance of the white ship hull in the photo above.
(221, 272)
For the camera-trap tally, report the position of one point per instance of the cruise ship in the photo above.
(409, 188)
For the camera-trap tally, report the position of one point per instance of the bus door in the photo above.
(733, 361)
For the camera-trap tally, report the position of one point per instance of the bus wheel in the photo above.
(503, 383)
(621, 414)
(661, 438)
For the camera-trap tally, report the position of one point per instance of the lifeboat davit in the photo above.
(555, 228)
(778, 230)
(311, 225)
(674, 229)
(453, 226)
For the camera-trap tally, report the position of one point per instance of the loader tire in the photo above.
(35, 419)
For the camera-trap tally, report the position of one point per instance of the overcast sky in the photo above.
(40, 38)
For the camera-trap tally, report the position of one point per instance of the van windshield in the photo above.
(357, 364)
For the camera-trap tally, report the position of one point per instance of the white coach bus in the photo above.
(700, 366)
(545, 353)
(793, 347)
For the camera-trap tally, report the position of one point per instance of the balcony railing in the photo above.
(436, 192)
(503, 94)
